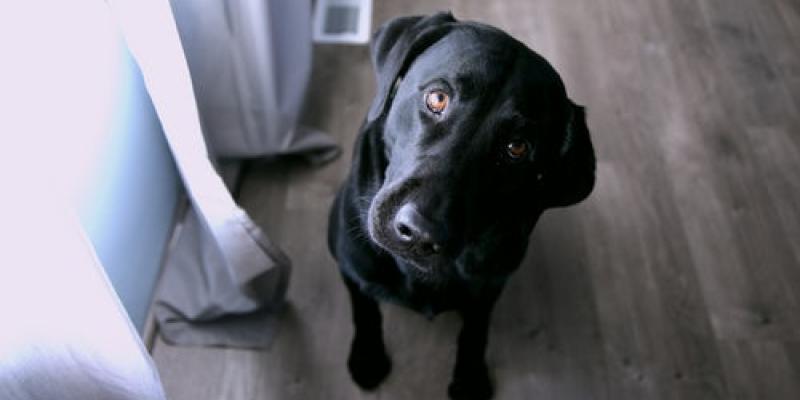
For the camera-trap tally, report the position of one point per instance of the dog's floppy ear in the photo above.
(572, 177)
(395, 45)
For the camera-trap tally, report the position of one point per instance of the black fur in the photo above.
(450, 176)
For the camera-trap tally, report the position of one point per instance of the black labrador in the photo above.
(469, 139)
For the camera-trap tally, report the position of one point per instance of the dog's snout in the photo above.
(418, 232)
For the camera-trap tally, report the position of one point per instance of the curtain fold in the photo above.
(224, 280)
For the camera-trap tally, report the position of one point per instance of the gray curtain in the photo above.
(250, 60)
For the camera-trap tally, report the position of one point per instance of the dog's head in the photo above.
(479, 138)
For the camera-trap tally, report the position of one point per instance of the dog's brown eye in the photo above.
(517, 149)
(436, 100)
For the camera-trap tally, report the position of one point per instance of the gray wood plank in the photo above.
(759, 370)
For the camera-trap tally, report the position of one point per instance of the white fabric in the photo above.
(65, 334)
(151, 36)
(224, 281)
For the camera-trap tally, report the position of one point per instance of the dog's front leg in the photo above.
(470, 375)
(368, 363)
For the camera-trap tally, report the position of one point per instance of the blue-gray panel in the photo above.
(129, 209)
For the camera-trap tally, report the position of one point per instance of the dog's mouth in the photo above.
(464, 261)
(424, 259)
(455, 260)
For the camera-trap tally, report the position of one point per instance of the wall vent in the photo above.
(342, 21)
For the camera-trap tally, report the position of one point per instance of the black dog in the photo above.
(469, 139)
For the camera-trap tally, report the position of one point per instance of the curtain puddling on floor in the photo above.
(250, 62)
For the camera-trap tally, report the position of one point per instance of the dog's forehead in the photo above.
(466, 55)
(486, 60)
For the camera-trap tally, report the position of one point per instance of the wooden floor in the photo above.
(679, 278)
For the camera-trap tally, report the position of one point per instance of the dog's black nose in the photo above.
(418, 232)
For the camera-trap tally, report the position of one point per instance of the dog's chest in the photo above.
(427, 299)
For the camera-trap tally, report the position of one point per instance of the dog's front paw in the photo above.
(471, 383)
(368, 363)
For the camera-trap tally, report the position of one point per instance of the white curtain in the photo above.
(65, 335)
(249, 60)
